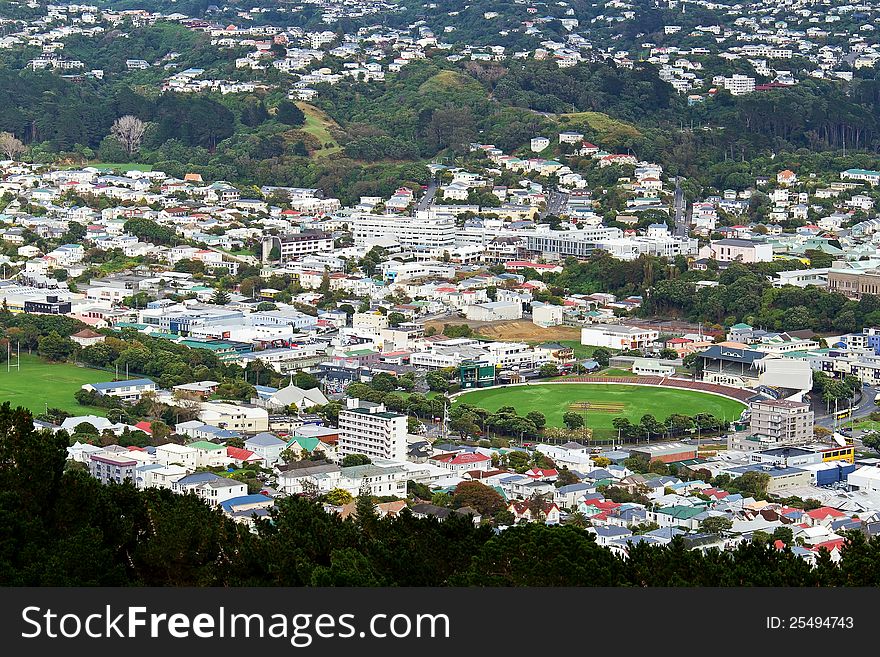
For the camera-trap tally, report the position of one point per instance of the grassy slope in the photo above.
(609, 130)
(39, 383)
(446, 80)
(581, 351)
(554, 400)
(318, 125)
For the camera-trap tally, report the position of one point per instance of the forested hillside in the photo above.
(379, 134)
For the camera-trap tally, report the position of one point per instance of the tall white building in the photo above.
(367, 428)
(577, 243)
(738, 84)
(419, 233)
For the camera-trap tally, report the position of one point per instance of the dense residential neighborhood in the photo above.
(332, 265)
(201, 287)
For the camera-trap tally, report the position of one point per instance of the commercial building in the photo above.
(781, 478)
(419, 233)
(512, 355)
(397, 272)
(663, 246)
(52, 305)
(547, 315)
(476, 375)
(577, 243)
(854, 284)
(804, 455)
(866, 478)
(666, 452)
(781, 422)
(368, 428)
(492, 311)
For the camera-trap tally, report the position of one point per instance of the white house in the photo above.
(172, 453)
(209, 455)
(745, 251)
(612, 336)
(538, 144)
(266, 445)
(129, 391)
(219, 490)
(570, 137)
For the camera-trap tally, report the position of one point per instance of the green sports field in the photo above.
(609, 401)
(39, 383)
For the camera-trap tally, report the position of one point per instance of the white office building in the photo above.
(577, 243)
(419, 233)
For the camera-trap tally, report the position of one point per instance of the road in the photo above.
(435, 316)
(864, 408)
(428, 196)
(681, 224)
(556, 202)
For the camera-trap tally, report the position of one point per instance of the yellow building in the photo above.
(838, 453)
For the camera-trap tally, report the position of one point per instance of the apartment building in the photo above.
(782, 422)
(512, 355)
(368, 428)
(293, 246)
(107, 467)
(737, 84)
(181, 455)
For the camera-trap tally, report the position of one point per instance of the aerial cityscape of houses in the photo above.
(445, 291)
